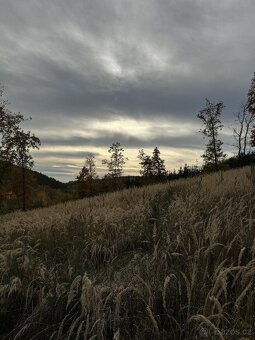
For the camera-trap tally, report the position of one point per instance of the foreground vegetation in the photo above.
(167, 261)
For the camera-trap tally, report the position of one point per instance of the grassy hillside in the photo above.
(168, 261)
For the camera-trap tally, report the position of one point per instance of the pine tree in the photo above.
(211, 119)
(146, 164)
(158, 164)
(152, 166)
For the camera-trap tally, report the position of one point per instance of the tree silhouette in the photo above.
(115, 166)
(152, 166)
(146, 164)
(211, 119)
(24, 142)
(86, 176)
(251, 96)
(251, 106)
(158, 164)
(9, 127)
(241, 133)
(15, 144)
(117, 160)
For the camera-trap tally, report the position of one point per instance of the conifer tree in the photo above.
(158, 164)
(153, 166)
(146, 164)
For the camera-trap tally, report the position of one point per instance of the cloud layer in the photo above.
(137, 71)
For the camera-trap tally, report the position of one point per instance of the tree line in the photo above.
(153, 166)
(16, 145)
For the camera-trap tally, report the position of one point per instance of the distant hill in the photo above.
(42, 179)
(50, 182)
(40, 190)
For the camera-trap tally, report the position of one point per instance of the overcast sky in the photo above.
(93, 72)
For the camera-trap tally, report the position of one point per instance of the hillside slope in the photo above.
(40, 190)
(169, 261)
(41, 179)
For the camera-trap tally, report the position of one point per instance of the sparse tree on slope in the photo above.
(242, 133)
(152, 166)
(117, 160)
(211, 119)
(86, 176)
(146, 164)
(251, 106)
(251, 96)
(158, 164)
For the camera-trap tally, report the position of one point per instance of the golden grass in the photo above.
(168, 261)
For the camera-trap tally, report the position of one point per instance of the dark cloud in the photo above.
(64, 155)
(106, 140)
(193, 141)
(149, 60)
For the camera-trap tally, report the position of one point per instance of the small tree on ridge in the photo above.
(251, 106)
(117, 160)
(211, 119)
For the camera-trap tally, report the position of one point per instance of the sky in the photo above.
(94, 72)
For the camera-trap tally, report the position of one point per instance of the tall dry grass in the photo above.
(169, 261)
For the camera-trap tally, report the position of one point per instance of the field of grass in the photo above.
(168, 261)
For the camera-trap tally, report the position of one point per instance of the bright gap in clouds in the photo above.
(64, 161)
(65, 169)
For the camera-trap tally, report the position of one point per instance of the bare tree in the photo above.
(249, 120)
(238, 131)
(242, 132)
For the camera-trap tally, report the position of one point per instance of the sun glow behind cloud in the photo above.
(65, 160)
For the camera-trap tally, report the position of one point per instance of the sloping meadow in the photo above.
(168, 261)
